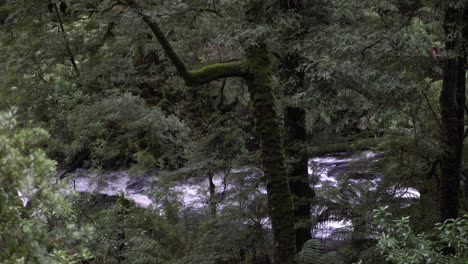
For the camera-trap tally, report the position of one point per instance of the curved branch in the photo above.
(192, 77)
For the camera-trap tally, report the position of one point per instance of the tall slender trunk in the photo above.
(297, 156)
(273, 160)
(452, 106)
(298, 173)
(212, 190)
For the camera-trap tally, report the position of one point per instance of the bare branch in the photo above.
(67, 44)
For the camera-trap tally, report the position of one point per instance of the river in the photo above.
(327, 174)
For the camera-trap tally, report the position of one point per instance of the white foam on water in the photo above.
(83, 184)
(326, 229)
(115, 184)
(196, 194)
(141, 199)
(330, 160)
(322, 172)
(369, 154)
(326, 179)
(322, 166)
(24, 199)
(408, 192)
(190, 195)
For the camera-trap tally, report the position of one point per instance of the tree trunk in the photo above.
(274, 164)
(452, 106)
(299, 173)
(297, 156)
(212, 190)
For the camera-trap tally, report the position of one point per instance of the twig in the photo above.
(385, 36)
(67, 44)
(431, 109)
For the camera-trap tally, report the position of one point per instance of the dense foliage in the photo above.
(230, 98)
(400, 244)
(31, 205)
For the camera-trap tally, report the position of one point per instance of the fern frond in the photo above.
(312, 254)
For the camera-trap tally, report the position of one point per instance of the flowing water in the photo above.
(331, 172)
(325, 172)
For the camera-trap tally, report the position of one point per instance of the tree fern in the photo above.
(312, 254)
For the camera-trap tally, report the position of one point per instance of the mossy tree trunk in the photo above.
(274, 163)
(255, 69)
(452, 107)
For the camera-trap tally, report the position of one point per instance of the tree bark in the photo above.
(297, 156)
(274, 163)
(212, 190)
(452, 103)
(299, 173)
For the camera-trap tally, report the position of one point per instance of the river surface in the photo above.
(339, 171)
(326, 173)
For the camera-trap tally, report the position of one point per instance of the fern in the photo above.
(312, 254)
(145, 250)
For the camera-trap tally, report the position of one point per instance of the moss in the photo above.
(216, 71)
(273, 159)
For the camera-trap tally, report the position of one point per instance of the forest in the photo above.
(233, 131)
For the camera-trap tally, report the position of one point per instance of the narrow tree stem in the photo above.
(67, 44)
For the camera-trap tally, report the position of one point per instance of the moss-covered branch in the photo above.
(216, 71)
(192, 77)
